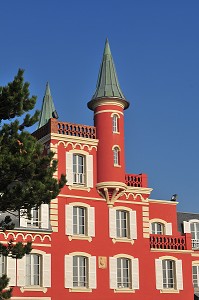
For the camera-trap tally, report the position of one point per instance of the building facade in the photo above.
(103, 236)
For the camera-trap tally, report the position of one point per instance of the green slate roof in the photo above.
(108, 84)
(48, 109)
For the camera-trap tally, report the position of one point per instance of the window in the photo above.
(122, 224)
(192, 227)
(124, 273)
(33, 266)
(80, 220)
(157, 228)
(79, 169)
(40, 217)
(168, 268)
(80, 271)
(169, 274)
(195, 274)
(35, 218)
(115, 123)
(2, 265)
(116, 156)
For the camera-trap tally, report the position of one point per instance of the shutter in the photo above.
(168, 228)
(68, 272)
(92, 273)
(21, 271)
(46, 270)
(133, 225)
(91, 221)
(179, 278)
(11, 270)
(44, 215)
(187, 228)
(23, 218)
(135, 274)
(89, 170)
(69, 168)
(112, 222)
(69, 219)
(113, 272)
(159, 274)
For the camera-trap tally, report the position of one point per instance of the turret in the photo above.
(108, 104)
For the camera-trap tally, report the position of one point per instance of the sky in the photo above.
(155, 47)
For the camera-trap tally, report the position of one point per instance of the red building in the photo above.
(103, 237)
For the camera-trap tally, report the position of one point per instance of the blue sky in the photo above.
(155, 46)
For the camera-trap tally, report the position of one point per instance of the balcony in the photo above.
(55, 126)
(195, 244)
(166, 242)
(136, 180)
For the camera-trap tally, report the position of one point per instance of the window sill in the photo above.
(80, 290)
(80, 237)
(123, 240)
(79, 187)
(33, 288)
(116, 132)
(124, 291)
(169, 291)
(117, 166)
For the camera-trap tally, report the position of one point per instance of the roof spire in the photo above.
(48, 109)
(107, 83)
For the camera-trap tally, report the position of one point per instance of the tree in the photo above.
(26, 175)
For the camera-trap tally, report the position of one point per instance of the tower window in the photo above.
(116, 156)
(78, 169)
(115, 123)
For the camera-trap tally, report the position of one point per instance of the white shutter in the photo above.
(69, 168)
(135, 274)
(179, 277)
(159, 274)
(92, 273)
(44, 215)
(68, 271)
(133, 225)
(187, 228)
(112, 222)
(21, 271)
(89, 170)
(11, 270)
(69, 219)
(168, 228)
(23, 218)
(113, 272)
(46, 271)
(91, 221)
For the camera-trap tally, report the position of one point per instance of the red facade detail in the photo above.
(165, 242)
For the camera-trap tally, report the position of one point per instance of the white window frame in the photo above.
(80, 280)
(154, 228)
(78, 225)
(3, 265)
(133, 273)
(35, 220)
(115, 121)
(122, 230)
(167, 227)
(162, 279)
(90, 281)
(30, 269)
(125, 279)
(195, 275)
(43, 220)
(79, 162)
(89, 218)
(194, 233)
(116, 156)
(169, 277)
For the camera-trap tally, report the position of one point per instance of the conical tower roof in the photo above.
(48, 109)
(107, 83)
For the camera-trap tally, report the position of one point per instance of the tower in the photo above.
(108, 104)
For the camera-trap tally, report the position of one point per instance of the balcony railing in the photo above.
(54, 126)
(166, 242)
(136, 180)
(195, 244)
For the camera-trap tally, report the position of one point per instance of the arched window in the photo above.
(78, 169)
(116, 156)
(122, 223)
(169, 278)
(124, 273)
(115, 123)
(33, 270)
(80, 271)
(79, 220)
(157, 228)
